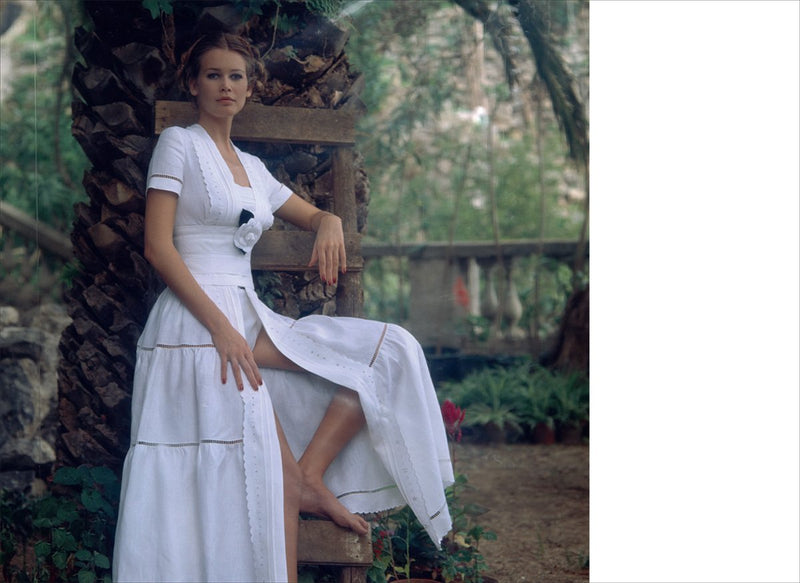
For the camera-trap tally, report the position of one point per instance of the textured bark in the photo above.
(130, 62)
(572, 349)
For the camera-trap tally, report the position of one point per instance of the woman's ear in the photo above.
(193, 87)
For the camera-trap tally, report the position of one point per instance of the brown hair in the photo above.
(190, 62)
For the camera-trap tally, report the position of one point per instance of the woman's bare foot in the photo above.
(315, 498)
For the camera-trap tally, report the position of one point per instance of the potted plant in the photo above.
(493, 409)
(404, 552)
(569, 400)
(533, 401)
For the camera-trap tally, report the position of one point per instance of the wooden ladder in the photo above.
(321, 542)
(291, 250)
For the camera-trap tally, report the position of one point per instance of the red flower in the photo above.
(377, 547)
(460, 292)
(453, 416)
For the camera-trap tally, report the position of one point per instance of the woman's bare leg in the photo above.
(292, 484)
(342, 420)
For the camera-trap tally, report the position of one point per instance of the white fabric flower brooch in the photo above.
(248, 233)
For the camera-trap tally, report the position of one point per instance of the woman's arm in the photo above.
(160, 251)
(329, 249)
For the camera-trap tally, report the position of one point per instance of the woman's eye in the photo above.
(212, 75)
(236, 76)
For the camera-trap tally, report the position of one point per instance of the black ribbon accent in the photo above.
(245, 216)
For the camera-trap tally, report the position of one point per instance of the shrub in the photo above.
(71, 534)
(402, 549)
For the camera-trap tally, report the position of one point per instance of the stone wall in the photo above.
(28, 394)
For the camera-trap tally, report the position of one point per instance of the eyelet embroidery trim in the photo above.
(188, 444)
(217, 194)
(176, 179)
(437, 513)
(175, 346)
(378, 347)
(381, 489)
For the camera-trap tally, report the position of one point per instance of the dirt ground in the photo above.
(537, 501)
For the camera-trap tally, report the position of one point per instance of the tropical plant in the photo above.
(519, 396)
(495, 411)
(569, 399)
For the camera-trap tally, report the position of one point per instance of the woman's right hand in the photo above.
(233, 350)
(160, 251)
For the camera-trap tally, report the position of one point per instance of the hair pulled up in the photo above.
(190, 61)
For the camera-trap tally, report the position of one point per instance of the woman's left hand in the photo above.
(329, 251)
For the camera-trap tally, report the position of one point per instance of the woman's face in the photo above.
(220, 88)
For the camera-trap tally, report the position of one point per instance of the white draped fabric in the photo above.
(202, 495)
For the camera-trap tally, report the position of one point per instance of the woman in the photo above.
(212, 485)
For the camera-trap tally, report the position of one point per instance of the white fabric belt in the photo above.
(235, 279)
(208, 265)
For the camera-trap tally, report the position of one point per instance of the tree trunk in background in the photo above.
(130, 62)
(571, 351)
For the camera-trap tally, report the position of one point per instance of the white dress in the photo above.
(202, 493)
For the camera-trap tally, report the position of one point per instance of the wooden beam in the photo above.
(321, 542)
(349, 292)
(291, 251)
(45, 236)
(560, 249)
(264, 123)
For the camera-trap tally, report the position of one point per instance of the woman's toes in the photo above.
(317, 499)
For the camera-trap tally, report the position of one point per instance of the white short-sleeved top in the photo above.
(187, 162)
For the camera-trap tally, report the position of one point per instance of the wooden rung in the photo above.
(265, 123)
(291, 251)
(321, 542)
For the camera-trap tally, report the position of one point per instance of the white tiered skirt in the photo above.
(202, 495)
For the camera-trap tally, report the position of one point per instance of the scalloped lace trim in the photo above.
(216, 190)
(264, 498)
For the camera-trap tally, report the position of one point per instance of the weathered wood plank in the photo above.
(353, 575)
(45, 236)
(321, 542)
(349, 292)
(263, 123)
(291, 251)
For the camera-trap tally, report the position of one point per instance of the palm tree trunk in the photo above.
(130, 63)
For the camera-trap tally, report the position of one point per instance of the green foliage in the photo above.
(156, 7)
(492, 405)
(317, 574)
(431, 164)
(71, 534)
(32, 121)
(519, 396)
(249, 8)
(422, 141)
(402, 549)
(327, 8)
